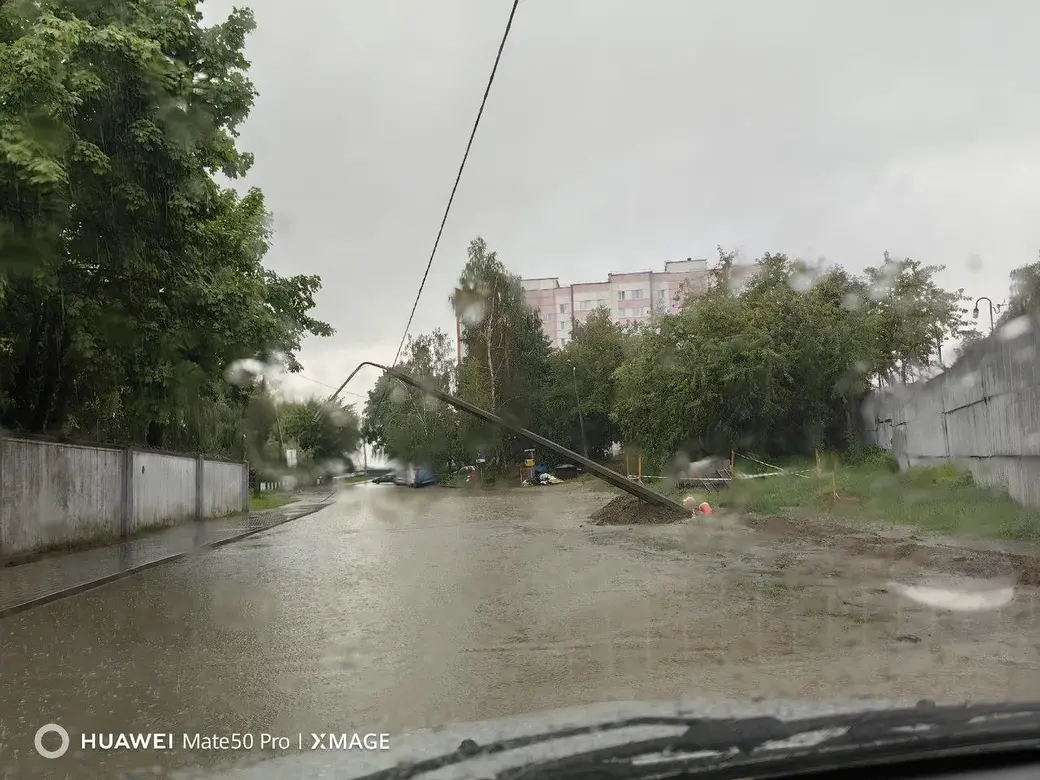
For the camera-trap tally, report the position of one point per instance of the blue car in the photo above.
(416, 476)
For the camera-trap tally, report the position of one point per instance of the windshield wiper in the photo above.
(749, 739)
(745, 742)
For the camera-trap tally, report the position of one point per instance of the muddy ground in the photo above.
(907, 549)
(812, 606)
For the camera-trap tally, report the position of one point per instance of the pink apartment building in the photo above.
(630, 297)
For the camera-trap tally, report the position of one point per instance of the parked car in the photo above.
(385, 478)
(416, 476)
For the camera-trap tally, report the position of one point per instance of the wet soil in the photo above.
(629, 510)
(949, 556)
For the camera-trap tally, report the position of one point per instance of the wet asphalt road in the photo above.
(395, 608)
(385, 611)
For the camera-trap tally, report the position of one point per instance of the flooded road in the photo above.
(395, 608)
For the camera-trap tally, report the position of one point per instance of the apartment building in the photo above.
(630, 297)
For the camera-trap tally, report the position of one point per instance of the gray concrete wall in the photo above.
(221, 488)
(983, 413)
(164, 489)
(55, 494)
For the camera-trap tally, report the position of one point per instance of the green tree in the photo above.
(130, 279)
(582, 376)
(326, 435)
(407, 424)
(782, 365)
(260, 427)
(1025, 293)
(505, 369)
(910, 314)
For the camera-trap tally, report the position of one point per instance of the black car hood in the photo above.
(423, 744)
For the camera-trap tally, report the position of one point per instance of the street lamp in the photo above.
(975, 311)
(577, 400)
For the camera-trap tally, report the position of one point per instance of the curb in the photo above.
(97, 583)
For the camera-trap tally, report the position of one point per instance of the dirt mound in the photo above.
(629, 510)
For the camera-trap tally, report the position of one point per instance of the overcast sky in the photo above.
(624, 133)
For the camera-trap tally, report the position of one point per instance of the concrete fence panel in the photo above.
(53, 494)
(983, 413)
(164, 490)
(221, 488)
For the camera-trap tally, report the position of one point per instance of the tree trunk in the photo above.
(156, 434)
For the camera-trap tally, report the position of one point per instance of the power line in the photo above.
(458, 178)
(330, 387)
(447, 208)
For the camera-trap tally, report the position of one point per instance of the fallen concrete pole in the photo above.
(607, 475)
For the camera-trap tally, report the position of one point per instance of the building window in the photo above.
(621, 295)
(546, 318)
(563, 308)
(563, 342)
(636, 294)
(584, 305)
(662, 294)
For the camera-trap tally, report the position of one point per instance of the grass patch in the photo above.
(270, 500)
(941, 499)
(457, 480)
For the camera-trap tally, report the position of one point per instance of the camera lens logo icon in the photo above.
(51, 728)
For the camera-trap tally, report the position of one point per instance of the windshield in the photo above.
(374, 367)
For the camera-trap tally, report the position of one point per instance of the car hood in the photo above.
(424, 744)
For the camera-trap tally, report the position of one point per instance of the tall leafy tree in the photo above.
(505, 369)
(324, 434)
(582, 380)
(911, 313)
(1025, 293)
(782, 364)
(407, 424)
(130, 278)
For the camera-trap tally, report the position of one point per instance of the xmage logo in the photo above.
(355, 741)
